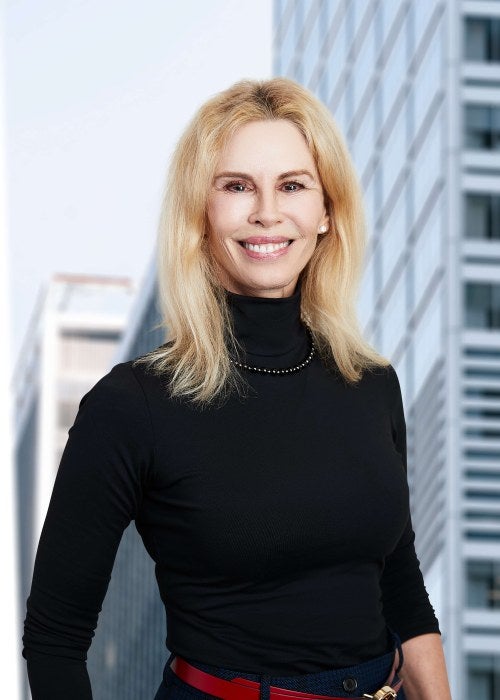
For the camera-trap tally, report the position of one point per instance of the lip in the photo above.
(265, 240)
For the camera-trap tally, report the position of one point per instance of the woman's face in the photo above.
(265, 209)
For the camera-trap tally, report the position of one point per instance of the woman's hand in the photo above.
(424, 669)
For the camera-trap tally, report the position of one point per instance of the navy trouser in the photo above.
(366, 677)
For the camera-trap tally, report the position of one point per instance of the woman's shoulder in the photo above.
(120, 383)
(393, 385)
(123, 396)
(127, 380)
(381, 374)
(382, 382)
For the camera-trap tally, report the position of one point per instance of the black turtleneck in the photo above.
(270, 331)
(279, 520)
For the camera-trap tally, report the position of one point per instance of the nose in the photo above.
(266, 211)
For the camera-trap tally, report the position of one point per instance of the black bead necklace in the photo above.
(283, 370)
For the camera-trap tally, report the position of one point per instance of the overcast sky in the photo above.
(97, 92)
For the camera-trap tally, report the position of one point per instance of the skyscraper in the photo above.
(415, 87)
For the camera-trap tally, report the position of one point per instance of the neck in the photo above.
(269, 330)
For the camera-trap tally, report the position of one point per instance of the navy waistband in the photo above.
(366, 677)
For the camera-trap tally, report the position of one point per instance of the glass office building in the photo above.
(415, 87)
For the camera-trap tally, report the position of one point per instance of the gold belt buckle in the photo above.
(385, 693)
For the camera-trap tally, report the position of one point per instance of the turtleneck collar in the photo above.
(269, 330)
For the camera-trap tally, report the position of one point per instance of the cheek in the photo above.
(213, 217)
(309, 227)
(219, 247)
(224, 215)
(307, 214)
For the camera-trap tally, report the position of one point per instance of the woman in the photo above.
(261, 450)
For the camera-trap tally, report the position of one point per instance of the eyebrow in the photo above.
(283, 176)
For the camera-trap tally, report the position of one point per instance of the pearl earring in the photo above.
(323, 229)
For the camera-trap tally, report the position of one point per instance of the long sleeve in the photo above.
(406, 604)
(97, 492)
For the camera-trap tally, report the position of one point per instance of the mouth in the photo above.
(265, 247)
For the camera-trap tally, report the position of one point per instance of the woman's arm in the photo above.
(97, 492)
(424, 669)
(406, 604)
(405, 601)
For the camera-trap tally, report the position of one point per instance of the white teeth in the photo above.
(267, 247)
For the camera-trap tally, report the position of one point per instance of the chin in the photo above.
(270, 287)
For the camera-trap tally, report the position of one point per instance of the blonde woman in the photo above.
(261, 451)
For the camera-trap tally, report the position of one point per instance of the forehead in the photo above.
(270, 144)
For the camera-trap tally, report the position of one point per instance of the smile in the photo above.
(265, 248)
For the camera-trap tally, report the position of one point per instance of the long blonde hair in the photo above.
(195, 358)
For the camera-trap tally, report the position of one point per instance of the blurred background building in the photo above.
(415, 87)
(75, 329)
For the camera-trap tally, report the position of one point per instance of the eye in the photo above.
(292, 186)
(236, 186)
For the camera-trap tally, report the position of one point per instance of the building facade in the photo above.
(415, 87)
(75, 329)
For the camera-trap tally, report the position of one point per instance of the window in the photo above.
(392, 241)
(483, 584)
(428, 80)
(313, 45)
(482, 413)
(484, 455)
(428, 165)
(86, 350)
(482, 305)
(394, 73)
(394, 154)
(482, 39)
(482, 372)
(363, 144)
(423, 12)
(482, 215)
(286, 38)
(482, 127)
(428, 252)
(365, 64)
(428, 341)
(394, 318)
(367, 293)
(485, 353)
(483, 677)
(485, 433)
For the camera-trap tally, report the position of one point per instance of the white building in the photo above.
(69, 345)
(415, 87)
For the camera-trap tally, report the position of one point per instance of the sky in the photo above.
(96, 94)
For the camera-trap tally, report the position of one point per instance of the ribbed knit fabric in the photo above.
(279, 521)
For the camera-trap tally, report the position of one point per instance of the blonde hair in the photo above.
(194, 308)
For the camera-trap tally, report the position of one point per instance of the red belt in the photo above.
(244, 689)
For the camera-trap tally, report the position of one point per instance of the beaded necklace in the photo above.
(279, 371)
